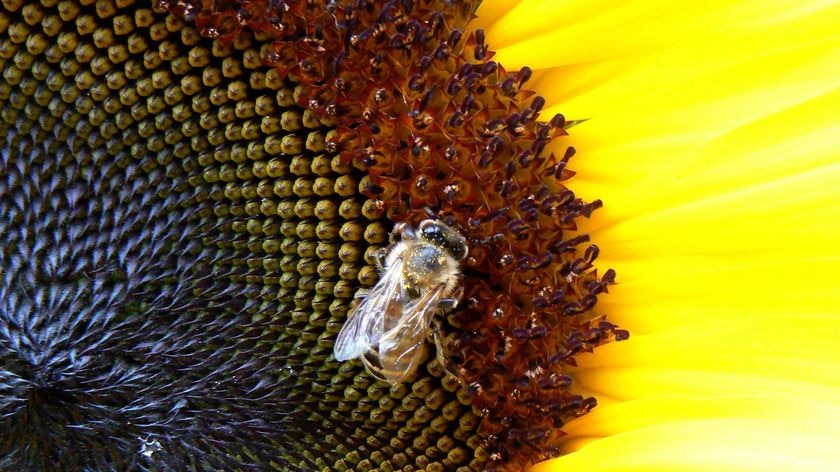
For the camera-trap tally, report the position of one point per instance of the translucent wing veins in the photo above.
(365, 325)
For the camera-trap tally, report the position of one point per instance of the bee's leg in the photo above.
(441, 353)
(379, 258)
(450, 303)
(373, 369)
(447, 304)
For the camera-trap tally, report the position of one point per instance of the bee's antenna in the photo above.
(447, 219)
(430, 213)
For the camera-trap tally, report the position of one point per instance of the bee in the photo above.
(420, 274)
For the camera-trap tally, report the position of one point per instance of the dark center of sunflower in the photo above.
(189, 202)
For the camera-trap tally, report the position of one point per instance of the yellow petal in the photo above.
(711, 134)
(729, 437)
(543, 33)
(738, 356)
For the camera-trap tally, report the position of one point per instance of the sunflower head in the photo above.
(192, 195)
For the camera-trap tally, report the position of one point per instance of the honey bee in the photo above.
(420, 274)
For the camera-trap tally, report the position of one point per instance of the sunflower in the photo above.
(193, 192)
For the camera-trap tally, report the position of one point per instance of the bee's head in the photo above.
(441, 235)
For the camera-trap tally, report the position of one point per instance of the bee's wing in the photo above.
(401, 349)
(365, 324)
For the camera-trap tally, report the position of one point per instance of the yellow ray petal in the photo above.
(541, 33)
(664, 293)
(797, 351)
(710, 444)
(777, 130)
